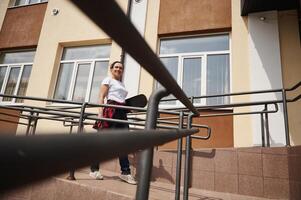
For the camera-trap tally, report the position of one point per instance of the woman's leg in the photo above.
(124, 165)
(95, 172)
(123, 160)
(94, 167)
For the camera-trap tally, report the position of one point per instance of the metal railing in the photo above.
(263, 114)
(77, 115)
(48, 155)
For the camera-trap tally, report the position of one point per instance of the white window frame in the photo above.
(7, 73)
(76, 63)
(13, 3)
(203, 55)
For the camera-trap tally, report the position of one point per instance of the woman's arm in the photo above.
(103, 93)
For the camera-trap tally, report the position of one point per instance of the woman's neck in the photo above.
(113, 77)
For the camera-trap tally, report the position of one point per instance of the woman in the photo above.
(114, 91)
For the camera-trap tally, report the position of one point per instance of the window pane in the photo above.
(194, 44)
(11, 83)
(24, 82)
(2, 75)
(217, 78)
(17, 57)
(34, 1)
(100, 72)
(81, 82)
(192, 77)
(20, 2)
(171, 63)
(64, 79)
(87, 52)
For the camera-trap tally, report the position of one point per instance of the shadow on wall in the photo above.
(162, 173)
(265, 67)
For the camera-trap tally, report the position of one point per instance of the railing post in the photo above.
(146, 162)
(29, 123)
(262, 130)
(179, 159)
(79, 130)
(35, 123)
(81, 118)
(285, 116)
(187, 160)
(267, 129)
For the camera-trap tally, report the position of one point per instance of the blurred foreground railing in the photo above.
(25, 151)
(24, 160)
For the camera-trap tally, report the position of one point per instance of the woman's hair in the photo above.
(115, 62)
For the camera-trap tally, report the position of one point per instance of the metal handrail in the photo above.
(294, 99)
(41, 156)
(146, 161)
(60, 115)
(215, 115)
(231, 105)
(89, 105)
(74, 114)
(294, 87)
(45, 111)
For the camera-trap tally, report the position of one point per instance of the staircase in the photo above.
(111, 188)
(217, 174)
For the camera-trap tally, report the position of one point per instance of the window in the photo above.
(200, 65)
(81, 71)
(15, 69)
(16, 3)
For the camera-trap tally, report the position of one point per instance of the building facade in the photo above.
(49, 49)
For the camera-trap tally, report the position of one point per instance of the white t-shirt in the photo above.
(117, 91)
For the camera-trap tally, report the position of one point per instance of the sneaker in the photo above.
(96, 175)
(128, 178)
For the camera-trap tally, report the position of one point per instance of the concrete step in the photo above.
(111, 188)
(229, 173)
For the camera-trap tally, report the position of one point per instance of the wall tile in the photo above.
(276, 188)
(226, 161)
(250, 185)
(250, 163)
(275, 166)
(226, 182)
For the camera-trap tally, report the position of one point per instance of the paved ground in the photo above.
(111, 188)
(158, 190)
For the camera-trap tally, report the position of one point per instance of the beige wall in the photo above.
(151, 32)
(69, 28)
(3, 8)
(240, 75)
(290, 47)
